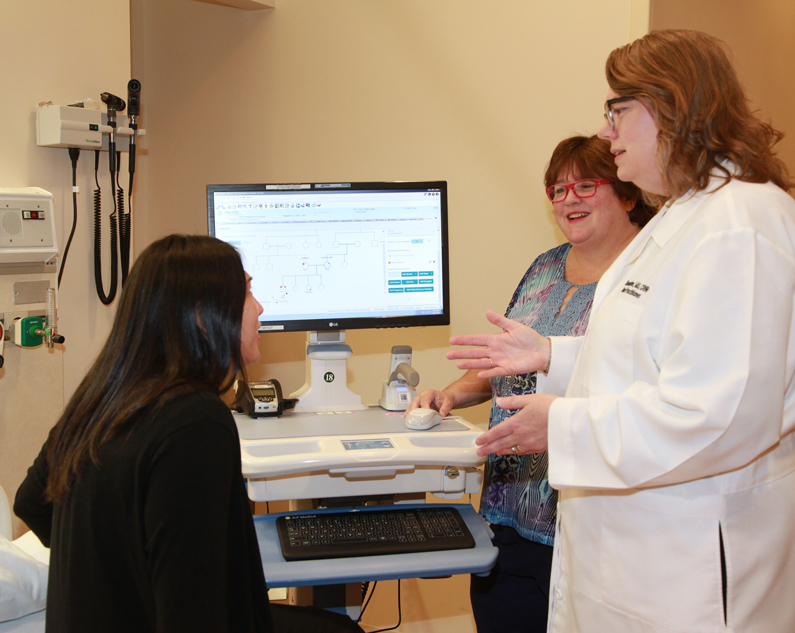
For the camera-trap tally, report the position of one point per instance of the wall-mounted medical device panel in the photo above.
(69, 126)
(27, 228)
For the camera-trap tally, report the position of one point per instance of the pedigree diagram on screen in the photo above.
(311, 255)
(342, 269)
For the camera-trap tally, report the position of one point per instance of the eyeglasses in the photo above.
(582, 189)
(610, 116)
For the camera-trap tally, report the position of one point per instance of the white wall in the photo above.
(61, 52)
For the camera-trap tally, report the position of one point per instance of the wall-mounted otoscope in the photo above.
(115, 105)
(133, 112)
(79, 126)
(125, 226)
(134, 102)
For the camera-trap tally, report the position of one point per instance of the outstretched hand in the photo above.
(524, 432)
(518, 349)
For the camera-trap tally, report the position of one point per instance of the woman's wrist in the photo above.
(464, 394)
(451, 395)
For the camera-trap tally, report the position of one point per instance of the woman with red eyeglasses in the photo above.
(599, 215)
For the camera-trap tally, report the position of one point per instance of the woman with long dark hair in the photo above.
(138, 490)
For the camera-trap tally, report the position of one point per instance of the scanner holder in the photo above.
(398, 391)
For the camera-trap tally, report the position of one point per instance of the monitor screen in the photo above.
(337, 256)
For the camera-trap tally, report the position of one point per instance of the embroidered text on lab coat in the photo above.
(632, 288)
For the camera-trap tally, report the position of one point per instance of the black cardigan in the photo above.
(159, 536)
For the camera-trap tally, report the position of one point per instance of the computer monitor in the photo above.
(326, 257)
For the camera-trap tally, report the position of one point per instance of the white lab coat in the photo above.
(676, 431)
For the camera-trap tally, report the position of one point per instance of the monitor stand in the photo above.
(326, 387)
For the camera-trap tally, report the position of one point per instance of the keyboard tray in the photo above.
(363, 532)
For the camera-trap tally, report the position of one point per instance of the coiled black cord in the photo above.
(114, 258)
(124, 226)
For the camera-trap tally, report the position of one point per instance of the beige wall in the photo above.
(61, 52)
(471, 92)
(760, 36)
(477, 93)
(474, 92)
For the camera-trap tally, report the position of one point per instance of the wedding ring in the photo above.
(516, 449)
(492, 362)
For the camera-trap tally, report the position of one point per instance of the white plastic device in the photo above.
(366, 453)
(398, 391)
(423, 419)
(27, 226)
(69, 126)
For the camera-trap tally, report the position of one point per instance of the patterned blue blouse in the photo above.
(516, 491)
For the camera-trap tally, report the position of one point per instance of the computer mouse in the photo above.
(422, 419)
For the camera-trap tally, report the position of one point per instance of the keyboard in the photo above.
(352, 533)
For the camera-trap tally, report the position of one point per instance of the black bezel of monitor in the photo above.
(336, 323)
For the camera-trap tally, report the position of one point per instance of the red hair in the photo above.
(690, 87)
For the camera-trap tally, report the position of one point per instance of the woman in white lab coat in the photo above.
(673, 448)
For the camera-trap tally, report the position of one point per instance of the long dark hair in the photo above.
(688, 84)
(590, 157)
(177, 330)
